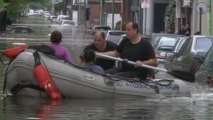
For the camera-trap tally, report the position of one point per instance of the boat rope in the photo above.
(19, 87)
(1, 60)
(5, 79)
(37, 58)
(119, 78)
(6, 71)
(150, 83)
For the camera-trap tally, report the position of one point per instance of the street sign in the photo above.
(145, 5)
(202, 8)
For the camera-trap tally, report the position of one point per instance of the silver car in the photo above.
(114, 35)
(186, 62)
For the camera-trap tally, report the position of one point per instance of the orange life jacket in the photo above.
(14, 52)
(45, 81)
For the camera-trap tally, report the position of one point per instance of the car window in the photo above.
(186, 49)
(180, 44)
(69, 22)
(165, 41)
(203, 44)
(115, 36)
(209, 59)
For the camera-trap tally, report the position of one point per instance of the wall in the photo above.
(94, 13)
(207, 19)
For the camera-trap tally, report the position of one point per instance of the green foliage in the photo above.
(16, 6)
(170, 10)
(3, 5)
(118, 25)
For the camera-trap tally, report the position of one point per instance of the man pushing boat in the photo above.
(134, 48)
(101, 45)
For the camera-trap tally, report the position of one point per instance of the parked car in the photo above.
(187, 61)
(51, 18)
(114, 35)
(66, 27)
(100, 27)
(54, 21)
(205, 72)
(156, 36)
(164, 45)
(175, 50)
(60, 18)
(67, 23)
(21, 30)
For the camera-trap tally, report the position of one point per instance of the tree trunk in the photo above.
(3, 21)
(64, 7)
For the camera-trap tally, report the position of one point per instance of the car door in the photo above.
(181, 63)
(200, 49)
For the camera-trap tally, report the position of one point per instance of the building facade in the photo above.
(188, 12)
(205, 26)
(99, 9)
(149, 14)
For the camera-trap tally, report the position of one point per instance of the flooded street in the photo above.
(197, 107)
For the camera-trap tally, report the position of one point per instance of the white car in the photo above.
(67, 26)
(121, 39)
(60, 18)
(67, 23)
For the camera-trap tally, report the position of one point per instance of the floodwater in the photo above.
(199, 106)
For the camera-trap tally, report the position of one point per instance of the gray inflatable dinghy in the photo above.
(75, 82)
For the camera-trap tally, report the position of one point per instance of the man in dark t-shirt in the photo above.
(137, 49)
(101, 45)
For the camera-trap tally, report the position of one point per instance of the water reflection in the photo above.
(32, 108)
(125, 109)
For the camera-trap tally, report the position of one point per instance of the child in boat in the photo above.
(60, 51)
(88, 60)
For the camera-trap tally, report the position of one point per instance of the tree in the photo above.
(118, 25)
(3, 5)
(170, 15)
(9, 9)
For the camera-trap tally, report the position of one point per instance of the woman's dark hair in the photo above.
(56, 37)
(89, 56)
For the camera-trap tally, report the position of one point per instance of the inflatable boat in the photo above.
(72, 81)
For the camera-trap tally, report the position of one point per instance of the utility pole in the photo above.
(71, 9)
(200, 16)
(210, 17)
(102, 2)
(122, 13)
(79, 11)
(113, 13)
(85, 8)
(64, 7)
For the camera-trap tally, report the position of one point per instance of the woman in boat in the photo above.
(88, 61)
(60, 51)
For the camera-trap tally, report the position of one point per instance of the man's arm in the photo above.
(111, 53)
(152, 62)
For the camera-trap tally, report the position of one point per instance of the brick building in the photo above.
(95, 8)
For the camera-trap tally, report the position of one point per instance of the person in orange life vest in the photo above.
(60, 51)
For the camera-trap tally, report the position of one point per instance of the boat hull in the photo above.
(75, 82)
